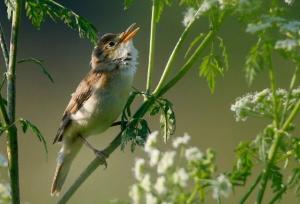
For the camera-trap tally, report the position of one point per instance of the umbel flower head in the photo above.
(171, 176)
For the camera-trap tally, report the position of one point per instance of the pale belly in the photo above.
(102, 108)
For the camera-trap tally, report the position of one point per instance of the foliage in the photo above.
(28, 125)
(38, 10)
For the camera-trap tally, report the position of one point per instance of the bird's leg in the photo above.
(100, 154)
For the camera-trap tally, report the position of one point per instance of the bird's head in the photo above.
(115, 48)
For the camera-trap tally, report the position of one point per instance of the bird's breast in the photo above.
(105, 104)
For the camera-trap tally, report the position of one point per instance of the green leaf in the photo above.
(25, 124)
(255, 61)
(127, 3)
(276, 178)
(223, 53)
(38, 10)
(160, 6)
(242, 169)
(167, 119)
(210, 68)
(40, 65)
(194, 42)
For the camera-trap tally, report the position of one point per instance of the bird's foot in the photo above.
(102, 156)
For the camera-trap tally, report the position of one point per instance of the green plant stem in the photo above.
(12, 142)
(292, 84)
(151, 47)
(187, 66)
(169, 66)
(251, 189)
(273, 88)
(278, 134)
(3, 46)
(194, 193)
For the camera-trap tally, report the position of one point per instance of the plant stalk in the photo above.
(12, 142)
(248, 193)
(152, 46)
(173, 55)
(187, 66)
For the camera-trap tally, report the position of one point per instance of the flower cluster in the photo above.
(173, 176)
(259, 104)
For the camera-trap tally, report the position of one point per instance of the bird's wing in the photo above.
(82, 94)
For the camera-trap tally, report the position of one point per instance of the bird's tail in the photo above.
(65, 158)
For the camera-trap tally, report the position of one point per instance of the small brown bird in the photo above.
(98, 100)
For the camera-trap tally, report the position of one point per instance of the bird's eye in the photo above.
(111, 43)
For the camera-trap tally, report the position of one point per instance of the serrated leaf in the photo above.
(223, 53)
(255, 61)
(167, 119)
(194, 42)
(38, 10)
(127, 3)
(40, 65)
(276, 178)
(210, 68)
(25, 124)
(160, 6)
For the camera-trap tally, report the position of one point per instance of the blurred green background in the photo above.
(207, 118)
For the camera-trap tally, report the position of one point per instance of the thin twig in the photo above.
(152, 45)
(253, 186)
(174, 54)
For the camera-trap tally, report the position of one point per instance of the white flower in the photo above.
(139, 168)
(146, 183)
(181, 140)
(166, 161)
(221, 187)
(154, 157)
(151, 199)
(189, 16)
(287, 44)
(181, 177)
(134, 194)
(160, 185)
(289, 2)
(151, 141)
(193, 154)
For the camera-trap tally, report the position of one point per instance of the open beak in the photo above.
(130, 32)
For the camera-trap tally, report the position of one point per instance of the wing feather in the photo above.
(82, 94)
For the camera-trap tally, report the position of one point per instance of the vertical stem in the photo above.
(248, 193)
(12, 142)
(278, 134)
(174, 54)
(292, 84)
(152, 45)
(3, 46)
